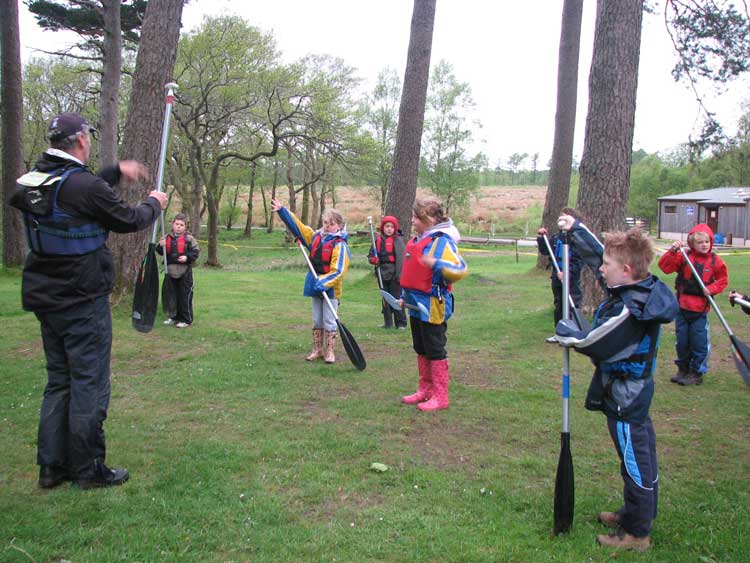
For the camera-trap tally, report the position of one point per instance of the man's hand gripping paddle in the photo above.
(740, 351)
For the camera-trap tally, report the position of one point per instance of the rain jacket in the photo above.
(333, 280)
(624, 338)
(450, 267)
(713, 268)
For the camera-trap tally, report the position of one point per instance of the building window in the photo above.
(670, 209)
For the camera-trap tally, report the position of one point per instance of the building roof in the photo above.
(720, 196)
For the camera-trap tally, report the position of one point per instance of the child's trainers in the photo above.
(169, 322)
(182, 325)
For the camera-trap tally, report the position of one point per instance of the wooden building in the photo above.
(725, 210)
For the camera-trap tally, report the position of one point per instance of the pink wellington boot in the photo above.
(440, 380)
(425, 381)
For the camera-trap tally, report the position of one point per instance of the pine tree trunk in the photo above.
(558, 189)
(11, 95)
(608, 145)
(403, 188)
(142, 134)
(110, 95)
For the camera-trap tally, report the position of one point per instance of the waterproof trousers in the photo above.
(77, 346)
(636, 447)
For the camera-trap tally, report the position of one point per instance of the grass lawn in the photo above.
(239, 450)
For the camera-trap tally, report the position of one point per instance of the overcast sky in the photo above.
(506, 51)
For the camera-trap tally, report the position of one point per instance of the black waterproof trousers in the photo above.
(77, 345)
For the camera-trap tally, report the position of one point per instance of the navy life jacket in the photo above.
(49, 230)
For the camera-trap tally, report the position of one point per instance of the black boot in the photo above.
(52, 475)
(682, 373)
(693, 378)
(102, 476)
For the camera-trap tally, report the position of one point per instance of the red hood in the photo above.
(389, 219)
(703, 228)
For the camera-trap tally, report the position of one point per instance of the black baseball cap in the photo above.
(67, 124)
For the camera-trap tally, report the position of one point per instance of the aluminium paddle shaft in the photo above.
(375, 252)
(170, 88)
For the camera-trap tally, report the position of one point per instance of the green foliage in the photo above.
(650, 179)
(445, 166)
(86, 19)
(239, 450)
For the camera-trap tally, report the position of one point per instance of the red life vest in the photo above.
(177, 250)
(686, 282)
(320, 254)
(386, 252)
(414, 274)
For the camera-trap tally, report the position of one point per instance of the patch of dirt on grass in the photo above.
(446, 444)
(30, 348)
(477, 369)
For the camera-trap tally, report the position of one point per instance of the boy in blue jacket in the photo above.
(622, 345)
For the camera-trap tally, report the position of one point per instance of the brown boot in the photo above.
(693, 378)
(682, 373)
(317, 351)
(610, 519)
(620, 539)
(330, 357)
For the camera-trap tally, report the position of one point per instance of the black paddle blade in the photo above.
(741, 358)
(564, 488)
(146, 294)
(351, 347)
(168, 298)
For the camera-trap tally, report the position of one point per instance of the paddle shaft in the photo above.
(375, 252)
(557, 268)
(163, 158)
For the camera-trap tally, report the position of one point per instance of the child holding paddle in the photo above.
(182, 251)
(693, 343)
(330, 257)
(574, 267)
(623, 345)
(431, 265)
(388, 257)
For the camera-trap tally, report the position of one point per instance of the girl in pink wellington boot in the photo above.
(431, 265)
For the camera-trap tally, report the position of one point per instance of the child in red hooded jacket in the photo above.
(388, 257)
(693, 344)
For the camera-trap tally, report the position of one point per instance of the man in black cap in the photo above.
(68, 276)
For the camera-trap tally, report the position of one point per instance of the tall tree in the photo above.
(608, 143)
(154, 65)
(11, 98)
(712, 41)
(403, 187)
(101, 24)
(110, 92)
(558, 188)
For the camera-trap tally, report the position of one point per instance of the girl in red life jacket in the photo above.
(431, 265)
(330, 257)
(182, 250)
(388, 257)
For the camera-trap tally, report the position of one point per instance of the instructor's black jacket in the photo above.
(53, 283)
